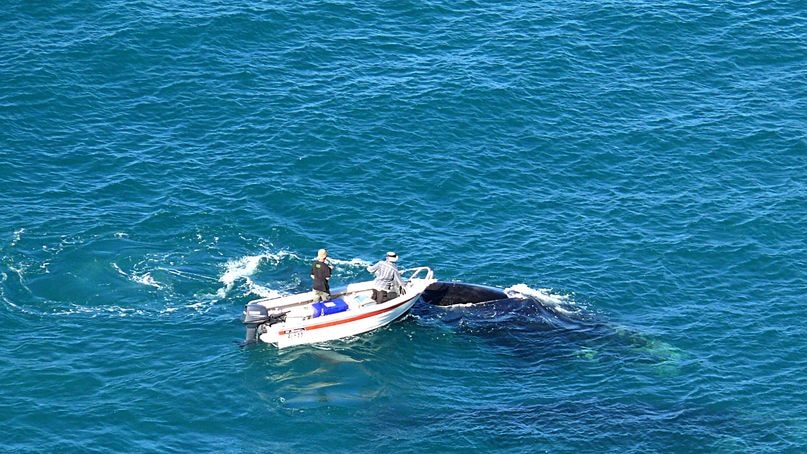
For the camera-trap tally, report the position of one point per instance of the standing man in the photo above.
(387, 278)
(321, 275)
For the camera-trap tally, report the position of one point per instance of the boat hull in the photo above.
(297, 319)
(333, 327)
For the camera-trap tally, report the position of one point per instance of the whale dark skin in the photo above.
(450, 293)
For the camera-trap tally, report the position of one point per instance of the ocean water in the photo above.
(638, 167)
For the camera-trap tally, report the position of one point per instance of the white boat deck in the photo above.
(304, 321)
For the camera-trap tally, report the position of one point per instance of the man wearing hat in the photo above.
(321, 274)
(387, 278)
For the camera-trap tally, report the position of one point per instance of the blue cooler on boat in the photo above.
(329, 307)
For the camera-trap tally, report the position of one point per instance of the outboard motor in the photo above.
(255, 315)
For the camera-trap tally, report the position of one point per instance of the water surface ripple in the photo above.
(638, 168)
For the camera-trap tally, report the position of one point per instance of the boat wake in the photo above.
(108, 276)
(280, 273)
(63, 275)
(242, 269)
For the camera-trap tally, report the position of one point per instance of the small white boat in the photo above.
(297, 319)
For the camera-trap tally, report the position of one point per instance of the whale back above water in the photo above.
(451, 293)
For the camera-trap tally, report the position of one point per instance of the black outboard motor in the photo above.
(255, 315)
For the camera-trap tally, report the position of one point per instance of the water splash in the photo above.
(558, 302)
(146, 279)
(17, 236)
(140, 278)
(260, 290)
(353, 263)
(245, 267)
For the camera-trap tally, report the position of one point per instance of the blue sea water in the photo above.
(639, 167)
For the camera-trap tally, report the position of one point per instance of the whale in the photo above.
(451, 293)
(532, 327)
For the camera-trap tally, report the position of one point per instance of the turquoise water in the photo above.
(637, 167)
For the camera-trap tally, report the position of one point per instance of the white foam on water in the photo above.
(20, 271)
(146, 279)
(561, 303)
(140, 278)
(60, 308)
(12, 305)
(74, 309)
(262, 291)
(188, 274)
(118, 270)
(113, 310)
(199, 306)
(357, 262)
(244, 267)
(17, 236)
(238, 269)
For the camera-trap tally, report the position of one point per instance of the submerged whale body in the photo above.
(451, 293)
(532, 328)
(486, 304)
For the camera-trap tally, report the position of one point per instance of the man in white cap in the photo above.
(387, 278)
(321, 275)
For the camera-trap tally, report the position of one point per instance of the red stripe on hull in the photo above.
(348, 320)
